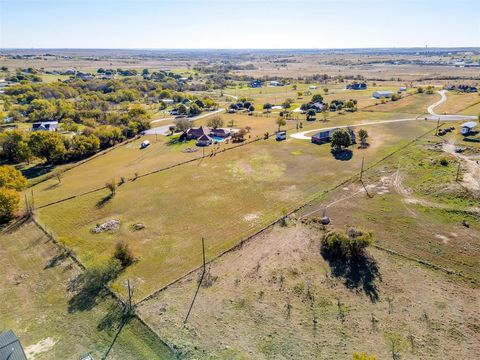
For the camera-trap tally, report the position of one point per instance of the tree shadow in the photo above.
(342, 155)
(37, 170)
(359, 273)
(103, 201)
(91, 286)
(56, 260)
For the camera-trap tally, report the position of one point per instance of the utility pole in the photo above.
(361, 170)
(458, 171)
(199, 283)
(32, 207)
(438, 125)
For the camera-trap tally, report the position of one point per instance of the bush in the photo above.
(444, 162)
(9, 202)
(347, 245)
(123, 254)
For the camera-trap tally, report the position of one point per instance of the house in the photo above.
(360, 86)
(276, 83)
(402, 89)
(324, 136)
(312, 87)
(466, 128)
(256, 84)
(204, 140)
(196, 133)
(45, 126)
(84, 76)
(221, 132)
(10, 346)
(382, 94)
(281, 135)
(69, 72)
(168, 101)
(316, 106)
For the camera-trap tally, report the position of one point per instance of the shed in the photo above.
(45, 126)
(467, 127)
(10, 347)
(382, 94)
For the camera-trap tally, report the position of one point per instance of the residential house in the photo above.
(357, 86)
(204, 140)
(316, 106)
(10, 346)
(45, 126)
(221, 132)
(382, 94)
(324, 136)
(276, 83)
(196, 133)
(466, 128)
(256, 84)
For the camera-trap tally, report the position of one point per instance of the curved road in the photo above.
(434, 117)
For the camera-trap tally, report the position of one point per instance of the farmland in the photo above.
(269, 290)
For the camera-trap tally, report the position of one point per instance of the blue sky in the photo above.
(160, 24)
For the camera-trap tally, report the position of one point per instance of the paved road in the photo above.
(164, 129)
(434, 117)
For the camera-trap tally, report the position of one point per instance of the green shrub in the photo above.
(347, 245)
(123, 254)
(443, 162)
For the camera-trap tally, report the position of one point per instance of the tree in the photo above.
(14, 145)
(311, 114)
(280, 122)
(194, 110)
(325, 90)
(363, 356)
(123, 254)
(317, 98)
(340, 139)
(287, 103)
(396, 343)
(47, 145)
(362, 135)
(183, 124)
(9, 203)
(251, 108)
(215, 122)
(11, 178)
(420, 90)
(267, 106)
(346, 246)
(83, 146)
(112, 186)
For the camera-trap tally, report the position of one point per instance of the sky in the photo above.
(238, 24)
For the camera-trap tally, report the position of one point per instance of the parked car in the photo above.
(144, 144)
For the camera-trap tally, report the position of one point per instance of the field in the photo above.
(179, 203)
(256, 302)
(35, 302)
(269, 292)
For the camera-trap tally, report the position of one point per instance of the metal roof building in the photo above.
(10, 347)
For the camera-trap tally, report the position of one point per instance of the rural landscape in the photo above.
(240, 203)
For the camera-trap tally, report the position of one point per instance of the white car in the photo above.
(144, 144)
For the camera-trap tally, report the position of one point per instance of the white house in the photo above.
(467, 127)
(382, 94)
(45, 126)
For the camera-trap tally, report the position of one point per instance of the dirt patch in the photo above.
(40, 347)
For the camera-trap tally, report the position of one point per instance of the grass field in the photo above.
(35, 305)
(277, 297)
(458, 102)
(243, 190)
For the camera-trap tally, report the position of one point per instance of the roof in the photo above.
(10, 347)
(197, 132)
(470, 124)
(383, 92)
(204, 138)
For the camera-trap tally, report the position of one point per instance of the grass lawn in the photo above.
(413, 104)
(242, 190)
(458, 102)
(34, 301)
